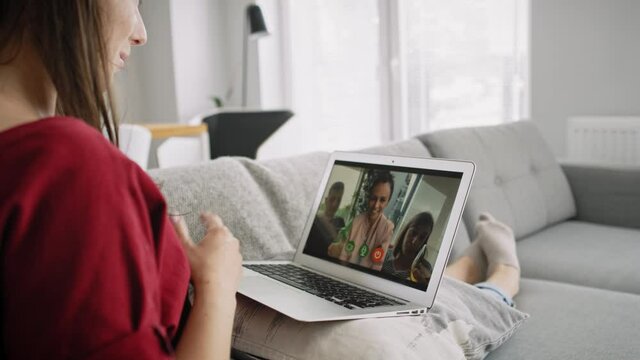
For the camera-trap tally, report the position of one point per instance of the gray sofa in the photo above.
(578, 236)
(577, 226)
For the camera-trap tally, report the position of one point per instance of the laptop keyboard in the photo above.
(341, 293)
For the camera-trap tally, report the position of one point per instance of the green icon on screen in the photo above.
(349, 247)
(364, 250)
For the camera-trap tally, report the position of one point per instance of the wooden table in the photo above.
(163, 131)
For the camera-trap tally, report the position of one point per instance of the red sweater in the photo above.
(90, 266)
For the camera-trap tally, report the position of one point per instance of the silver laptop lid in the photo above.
(386, 222)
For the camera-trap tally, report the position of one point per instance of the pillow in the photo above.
(464, 323)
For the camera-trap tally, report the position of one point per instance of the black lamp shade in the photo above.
(257, 27)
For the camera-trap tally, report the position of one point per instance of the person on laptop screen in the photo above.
(332, 204)
(371, 231)
(327, 224)
(406, 259)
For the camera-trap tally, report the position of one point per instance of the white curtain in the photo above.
(464, 62)
(360, 72)
(332, 84)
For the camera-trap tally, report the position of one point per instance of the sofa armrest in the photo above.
(605, 194)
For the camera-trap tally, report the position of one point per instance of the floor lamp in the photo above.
(254, 28)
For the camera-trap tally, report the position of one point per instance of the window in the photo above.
(361, 72)
(334, 88)
(464, 62)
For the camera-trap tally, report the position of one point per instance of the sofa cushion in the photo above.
(463, 323)
(605, 194)
(573, 322)
(583, 253)
(410, 147)
(517, 177)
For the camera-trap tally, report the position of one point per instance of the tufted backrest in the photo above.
(517, 178)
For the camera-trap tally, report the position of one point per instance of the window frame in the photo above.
(395, 124)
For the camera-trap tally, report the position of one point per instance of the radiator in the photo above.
(611, 140)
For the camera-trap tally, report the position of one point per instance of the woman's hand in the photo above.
(216, 268)
(216, 263)
(420, 274)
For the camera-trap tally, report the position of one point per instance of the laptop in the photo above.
(375, 244)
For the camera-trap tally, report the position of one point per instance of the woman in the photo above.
(91, 266)
(411, 243)
(370, 234)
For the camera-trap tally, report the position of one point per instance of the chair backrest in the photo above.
(135, 142)
(241, 133)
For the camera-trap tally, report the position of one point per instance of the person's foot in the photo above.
(497, 243)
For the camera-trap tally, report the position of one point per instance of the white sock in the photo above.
(497, 242)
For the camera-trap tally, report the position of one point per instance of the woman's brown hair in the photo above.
(70, 38)
(423, 219)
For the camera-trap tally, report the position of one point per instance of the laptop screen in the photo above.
(384, 220)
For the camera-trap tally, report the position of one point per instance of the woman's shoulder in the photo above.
(56, 132)
(388, 223)
(58, 141)
(46, 134)
(65, 149)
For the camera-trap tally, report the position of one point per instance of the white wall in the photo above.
(235, 15)
(585, 61)
(146, 90)
(199, 38)
(274, 83)
(194, 52)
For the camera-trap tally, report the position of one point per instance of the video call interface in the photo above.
(384, 220)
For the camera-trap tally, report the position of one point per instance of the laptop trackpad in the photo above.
(292, 302)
